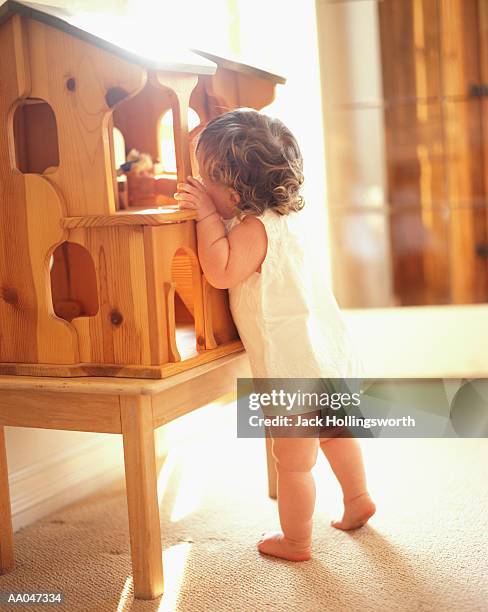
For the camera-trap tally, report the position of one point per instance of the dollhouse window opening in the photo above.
(167, 151)
(73, 282)
(115, 95)
(119, 147)
(118, 154)
(182, 274)
(35, 135)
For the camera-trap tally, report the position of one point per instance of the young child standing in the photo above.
(251, 172)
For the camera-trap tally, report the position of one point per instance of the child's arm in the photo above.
(226, 260)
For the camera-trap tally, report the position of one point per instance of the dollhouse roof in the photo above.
(113, 34)
(237, 66)
(116, 35)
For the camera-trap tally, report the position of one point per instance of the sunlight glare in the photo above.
(123, 602)
(165, 473)
(174, 563)
(185, 19)
(191, 482)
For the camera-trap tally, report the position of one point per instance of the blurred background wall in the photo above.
(405, 127)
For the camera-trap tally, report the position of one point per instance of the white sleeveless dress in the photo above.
(287, 334)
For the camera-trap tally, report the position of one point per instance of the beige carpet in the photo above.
(425, 549)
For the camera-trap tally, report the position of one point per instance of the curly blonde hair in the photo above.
(257, 156)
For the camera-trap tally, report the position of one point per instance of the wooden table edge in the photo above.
(116, 386)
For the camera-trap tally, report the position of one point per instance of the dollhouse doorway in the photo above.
(184, 266)
(35, 137)
(73, 282)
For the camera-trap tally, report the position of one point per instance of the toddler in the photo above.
(248, 192)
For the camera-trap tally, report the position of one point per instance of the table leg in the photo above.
(6, 533)
(271, 462)
(142, 495)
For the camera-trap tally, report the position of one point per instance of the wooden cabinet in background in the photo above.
(405, 86)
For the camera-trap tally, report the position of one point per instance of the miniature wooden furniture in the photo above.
(133, 408)
(91, 282)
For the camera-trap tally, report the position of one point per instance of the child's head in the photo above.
(254, 159)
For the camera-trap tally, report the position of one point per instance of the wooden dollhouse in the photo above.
(99, 274)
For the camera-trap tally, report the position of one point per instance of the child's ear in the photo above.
(234, 196)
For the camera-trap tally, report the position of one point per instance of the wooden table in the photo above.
(128, 406)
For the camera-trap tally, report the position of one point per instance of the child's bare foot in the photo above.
(275, 544)
(357, 511)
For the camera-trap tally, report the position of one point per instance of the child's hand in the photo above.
(193, 195)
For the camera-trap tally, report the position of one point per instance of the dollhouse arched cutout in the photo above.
(167, 151)
(184, 267)
(119, 147)
(73, 282)
(115, 95)
(118, 158)
(35, 136)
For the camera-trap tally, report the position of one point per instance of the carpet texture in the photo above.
(425, 549)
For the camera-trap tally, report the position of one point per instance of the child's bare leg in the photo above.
(346, 460)
(295, 457)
